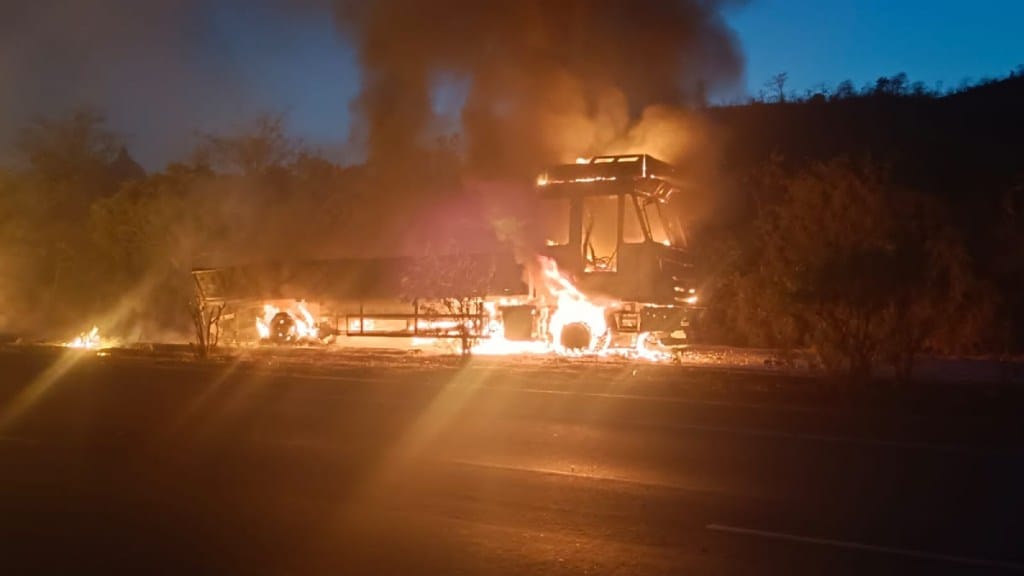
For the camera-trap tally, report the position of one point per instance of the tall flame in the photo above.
(263, 324)
(571, 306)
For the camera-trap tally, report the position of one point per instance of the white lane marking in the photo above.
(867, 547)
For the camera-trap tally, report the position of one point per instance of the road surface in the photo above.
(130, 466)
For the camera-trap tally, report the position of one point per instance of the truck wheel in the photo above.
(282, 328)
(576, 337)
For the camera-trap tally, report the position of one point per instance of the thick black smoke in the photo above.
(547, 79)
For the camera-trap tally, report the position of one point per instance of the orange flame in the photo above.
(571, 307)
(304, 325)
(86, 340)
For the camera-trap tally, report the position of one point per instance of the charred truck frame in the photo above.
(614, 274)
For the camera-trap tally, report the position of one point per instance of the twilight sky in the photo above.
(827, 41)
(162, 74)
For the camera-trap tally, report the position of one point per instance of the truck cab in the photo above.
(611, 226)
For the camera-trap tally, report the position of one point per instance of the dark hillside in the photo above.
(965, 147)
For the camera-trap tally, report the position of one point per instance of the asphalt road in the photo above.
(138, 466)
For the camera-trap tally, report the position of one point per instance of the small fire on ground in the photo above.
(89, 340)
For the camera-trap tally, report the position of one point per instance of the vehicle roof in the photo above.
(611, 174)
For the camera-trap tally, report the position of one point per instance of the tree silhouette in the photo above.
(777, 85)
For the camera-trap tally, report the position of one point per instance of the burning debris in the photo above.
(88, 340)
(293, 326)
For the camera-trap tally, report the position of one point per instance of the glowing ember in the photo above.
(496, 344)
(645, 350)
(499, 346)
(690, 298)
(86, 340)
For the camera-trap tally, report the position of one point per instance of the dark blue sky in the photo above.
(304, 70)
(827, 41)
(164, 69)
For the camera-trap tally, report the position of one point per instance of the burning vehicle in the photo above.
(612, 276)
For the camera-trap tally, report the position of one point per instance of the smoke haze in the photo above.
(547, 81)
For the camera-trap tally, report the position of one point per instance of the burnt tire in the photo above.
(576, 337)
(282, 328)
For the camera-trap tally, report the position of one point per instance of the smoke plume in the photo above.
(547, 81)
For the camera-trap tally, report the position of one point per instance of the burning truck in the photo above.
(613, 276)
